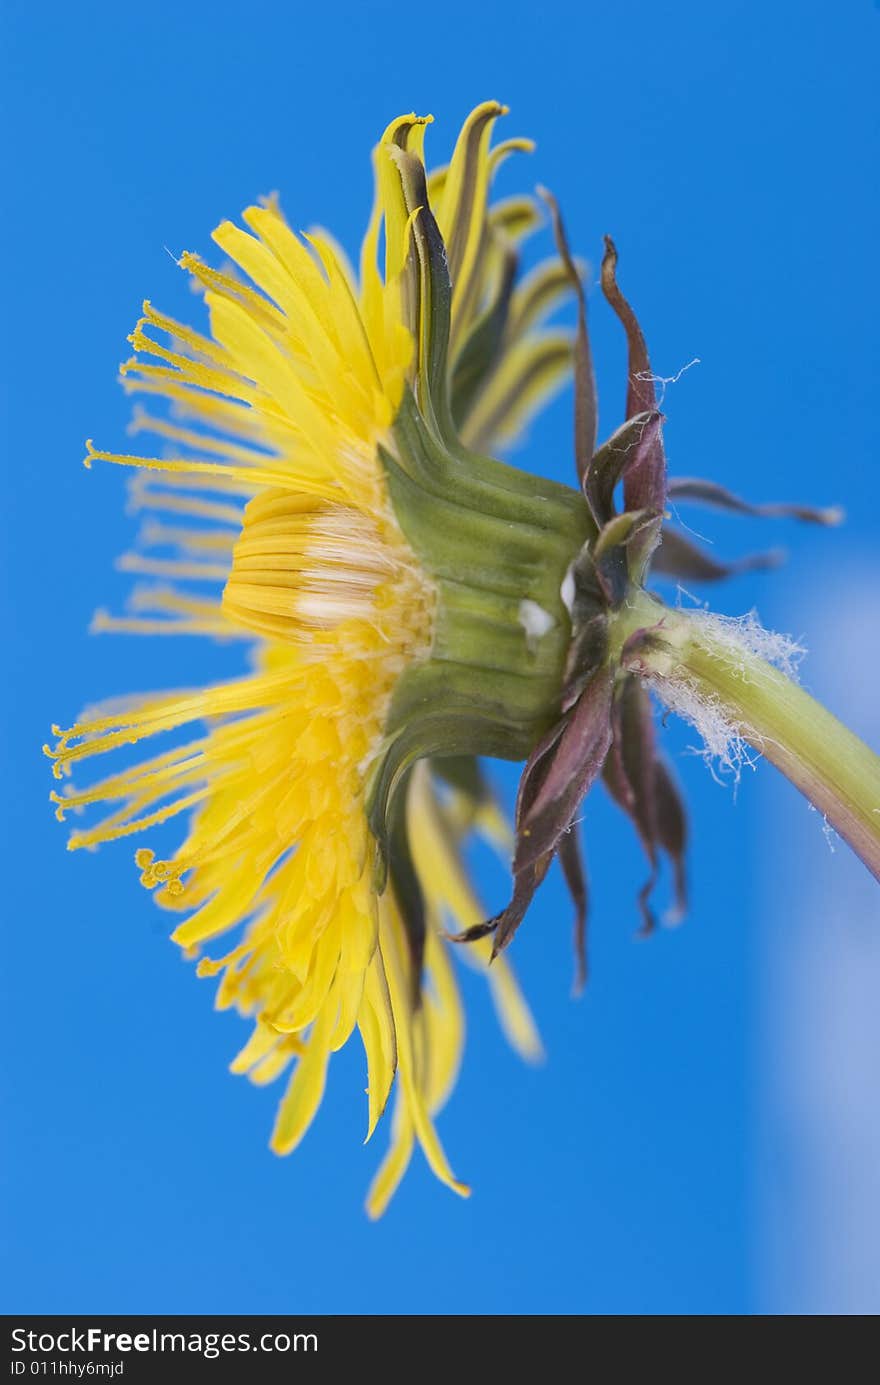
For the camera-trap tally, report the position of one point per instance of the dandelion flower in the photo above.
(410, 604)
(318, 463)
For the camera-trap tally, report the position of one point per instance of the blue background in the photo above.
(729, 149)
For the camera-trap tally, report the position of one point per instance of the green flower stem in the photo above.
(836, 771)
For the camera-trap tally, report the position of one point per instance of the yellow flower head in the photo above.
(321, 464)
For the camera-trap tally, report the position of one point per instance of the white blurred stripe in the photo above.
(817, 1058)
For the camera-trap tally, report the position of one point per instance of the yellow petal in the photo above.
(306, 1086)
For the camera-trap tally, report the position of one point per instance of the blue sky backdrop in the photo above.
(729, 149)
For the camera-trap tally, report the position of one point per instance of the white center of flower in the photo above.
(302, 567)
